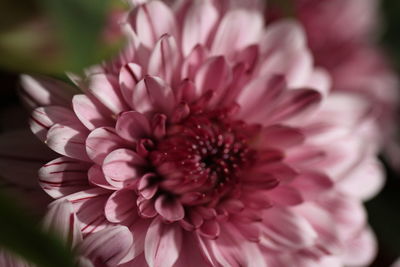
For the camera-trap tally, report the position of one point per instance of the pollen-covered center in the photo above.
(204, 153)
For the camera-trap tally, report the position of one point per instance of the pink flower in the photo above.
(350, 52)
(212, 141)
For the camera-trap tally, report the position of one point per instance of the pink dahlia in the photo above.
(210, 141)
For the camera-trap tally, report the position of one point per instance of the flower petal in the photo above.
(45, 91)
(101, 142)
(63, 176)
(162, 244)
(238, 29)
(170, 209)
(198, 23)
(122, 167)
(92, 115)
(108, 246)
(68, 140)
(121, 206)
(106, 89)
(164, 58)
(152, 20)
(132, 126)
(61, 219)
(43, 118)
(153, 94)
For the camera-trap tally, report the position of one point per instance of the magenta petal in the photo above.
(101, 142)
(170, 209)
(63, 176)
(108, 246)
(162, 244)
(90, 114)
(121, 207)
(122, 167)
(132, 126)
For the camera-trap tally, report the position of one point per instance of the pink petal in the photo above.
(133, 126)
(89, 208)
(106, 89)
(287, 228)
(61, 219)
(121, 206)
(101, 142)
(44, 91)
(279, 136)
(349, 213)
(153, 94)
(90, 114)
(147, 187)
(193, 62)
(361, 249)
(43, 118)
(164, 58)
(129, 76)
(283, 34)
(312, 184)
(108, 246)
(170, 209)
(198, 23)
(254, 96)
(295, 103)
(193, 255)
(63, 176)
(122, 167)
(285, 196)
(210, 229)
(365, 180)
(96, 177)
(162, 244)
(151, 21)
(207, 80)
(68, 140)
(238, 29)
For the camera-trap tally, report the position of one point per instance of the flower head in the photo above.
(214, 140)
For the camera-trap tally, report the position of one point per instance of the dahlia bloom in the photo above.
(210, 141)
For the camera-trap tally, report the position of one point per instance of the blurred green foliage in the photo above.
(23, 236)
(47, 36)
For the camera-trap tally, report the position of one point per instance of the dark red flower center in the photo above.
(204, 153)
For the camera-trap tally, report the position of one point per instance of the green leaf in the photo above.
(21, 235)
